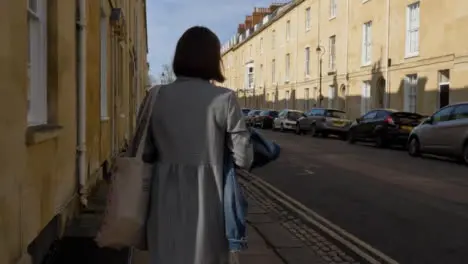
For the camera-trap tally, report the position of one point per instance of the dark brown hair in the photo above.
(198, 54)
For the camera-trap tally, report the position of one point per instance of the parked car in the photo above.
(265, 119)
(324, 121)
(245, 111)
(444, 133)
(251, 115)
(384, 127)
(287, 119)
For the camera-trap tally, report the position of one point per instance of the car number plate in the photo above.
(406, 128)
(338, 124)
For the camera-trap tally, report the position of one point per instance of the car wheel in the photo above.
(343, 136)
(282, 127)
(414, 147)
(313, 130)
(262, 125)
(465, 153)
(351, 137)
(324, 134)
(380, 142)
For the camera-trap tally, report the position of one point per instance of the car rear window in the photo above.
(294, 115)
(264, 113)
(336, 114)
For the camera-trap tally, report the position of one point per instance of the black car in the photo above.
(265, 119)
(384, 127)
(251, 116)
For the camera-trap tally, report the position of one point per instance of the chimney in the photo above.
(248, 22)
(241, 29)
(259, 13)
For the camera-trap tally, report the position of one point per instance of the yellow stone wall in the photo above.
(38, 177)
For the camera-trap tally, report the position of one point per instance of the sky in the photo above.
(168, 19)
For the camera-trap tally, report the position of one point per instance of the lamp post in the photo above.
(320, 52)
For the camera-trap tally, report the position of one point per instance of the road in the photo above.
(413, 209)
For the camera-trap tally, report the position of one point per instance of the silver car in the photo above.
(287, 119)
(444, 133)
(324, 121)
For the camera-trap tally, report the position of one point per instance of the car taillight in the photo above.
(389, 120)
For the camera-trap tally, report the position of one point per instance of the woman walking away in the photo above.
(191, 123)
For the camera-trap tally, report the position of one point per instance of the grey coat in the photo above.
(191, 121)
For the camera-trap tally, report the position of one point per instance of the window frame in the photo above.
(412, 29)
(366, 52)
(37, 113)
(365, 96)
(307, 18)
(288, 67)
(307, 61)
(411, 93)
(332, 53)
(273, 71)
(333, 8)
(288, 30)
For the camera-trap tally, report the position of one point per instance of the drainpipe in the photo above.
(81, 137)
(387, 54)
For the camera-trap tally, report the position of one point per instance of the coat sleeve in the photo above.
(238, 134)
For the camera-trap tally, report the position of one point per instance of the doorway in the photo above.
(381, 84)
(444, 88)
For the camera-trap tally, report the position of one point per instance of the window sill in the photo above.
(105, 119)
(411, 56)
(331, 18)
(367, 64)
(331, 72)
(42, 133)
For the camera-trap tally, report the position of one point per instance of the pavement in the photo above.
(270, 242)
(414, 210)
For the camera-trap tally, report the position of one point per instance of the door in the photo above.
(281, 117)
(457, 127)
(444, 95)
(364, 127)
(432, 134)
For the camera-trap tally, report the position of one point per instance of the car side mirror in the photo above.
(358, 120)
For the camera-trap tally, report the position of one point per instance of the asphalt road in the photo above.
(415, 210)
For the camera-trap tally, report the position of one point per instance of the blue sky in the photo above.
(168, 19)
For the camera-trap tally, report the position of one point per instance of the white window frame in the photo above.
(365, 97)
(331, 96)
(307, 61)
(333, 8)
(332, 53)
(367, 43)
(288, 30)
(260, 75)
(288, 67)
(307, 19)
(412, 29)
(37, 64)
(306, 99)
(103, 67)
(411, 93)
(287, 95)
